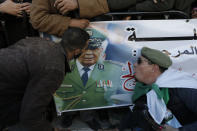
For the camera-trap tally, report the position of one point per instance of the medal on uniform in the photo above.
(104, 83)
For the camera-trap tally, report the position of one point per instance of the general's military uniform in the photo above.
(103, 82)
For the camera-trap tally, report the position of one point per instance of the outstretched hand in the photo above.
(65, 6)
(16, 9)
(9, 7)
(26, 7)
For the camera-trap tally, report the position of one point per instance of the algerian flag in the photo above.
(169, 79)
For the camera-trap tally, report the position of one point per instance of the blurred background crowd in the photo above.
(22, 18)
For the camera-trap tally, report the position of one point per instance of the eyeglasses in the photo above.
(139, 61)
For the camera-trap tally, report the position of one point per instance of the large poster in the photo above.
(102, 76)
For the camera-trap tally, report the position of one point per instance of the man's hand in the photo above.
(169, 128)
(81, 23)
(26, 7)
(9, 7)
(65, 6)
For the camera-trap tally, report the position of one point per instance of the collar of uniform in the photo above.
(80, 66)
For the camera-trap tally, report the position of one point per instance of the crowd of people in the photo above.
(54, 17)
(32, 69)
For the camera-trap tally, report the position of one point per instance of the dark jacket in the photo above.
(183, 105)
(30, 72)
(150, 6)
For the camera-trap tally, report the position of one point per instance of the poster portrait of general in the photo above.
(103, 77)
(94, 79)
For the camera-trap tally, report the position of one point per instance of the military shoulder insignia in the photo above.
(101, 66)
(89, 32)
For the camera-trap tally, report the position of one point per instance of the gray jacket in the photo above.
(30, 72)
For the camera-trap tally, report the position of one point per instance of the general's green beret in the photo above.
(156, 57)
(94, 43)
(96, 34)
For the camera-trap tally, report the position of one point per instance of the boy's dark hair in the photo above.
(74, 38)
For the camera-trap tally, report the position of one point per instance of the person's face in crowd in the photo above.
(143, 68)
(89, 56)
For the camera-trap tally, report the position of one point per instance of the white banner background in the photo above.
(182, 52)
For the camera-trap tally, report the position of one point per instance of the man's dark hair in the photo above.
(74, 38)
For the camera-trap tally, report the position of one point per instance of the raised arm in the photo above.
(45, 18)
(86, 8)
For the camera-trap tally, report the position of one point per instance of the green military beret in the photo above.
(156, 57)
(96, 38)
(94, 43)
(96, 34)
